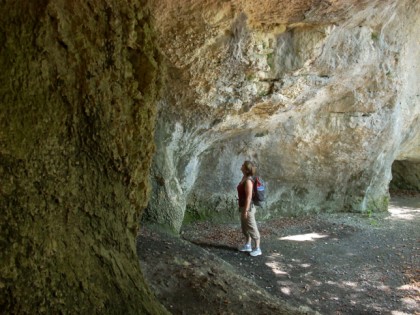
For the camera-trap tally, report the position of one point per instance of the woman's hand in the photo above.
(245, 214)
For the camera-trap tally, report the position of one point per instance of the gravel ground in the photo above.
(328, 263)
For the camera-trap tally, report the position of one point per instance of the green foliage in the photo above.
(261, 134)
(270, 60)
(218, 210)
(250, 76)
(378, 205)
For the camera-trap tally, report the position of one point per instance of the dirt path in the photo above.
(333, 264)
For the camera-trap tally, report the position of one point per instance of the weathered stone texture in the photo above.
(77, 88)
(323, 95)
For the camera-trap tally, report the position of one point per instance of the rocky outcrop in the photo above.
(322, 95)
(77, 87)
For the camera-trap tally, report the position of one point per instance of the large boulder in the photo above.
(322, 95)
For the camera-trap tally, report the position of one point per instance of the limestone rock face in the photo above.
(322, 95)
(77, 89)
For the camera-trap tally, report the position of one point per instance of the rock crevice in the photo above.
(322, 96)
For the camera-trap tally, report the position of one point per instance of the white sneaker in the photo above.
(256, 252)
(245, 248)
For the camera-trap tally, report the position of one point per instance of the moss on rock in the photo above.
(78, 82)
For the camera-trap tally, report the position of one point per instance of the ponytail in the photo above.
(250, 168)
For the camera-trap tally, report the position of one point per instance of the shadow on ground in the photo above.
(331, 264)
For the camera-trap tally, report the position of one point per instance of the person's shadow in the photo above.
(214, 246)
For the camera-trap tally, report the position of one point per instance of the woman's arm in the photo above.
(248, 193)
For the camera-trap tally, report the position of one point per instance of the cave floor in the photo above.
(329, 264)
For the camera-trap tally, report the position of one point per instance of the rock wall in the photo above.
(77, 87)
(322, 95)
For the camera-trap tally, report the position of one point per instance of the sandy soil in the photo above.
(327, 264)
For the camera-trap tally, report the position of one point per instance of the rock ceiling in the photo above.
(322, 95)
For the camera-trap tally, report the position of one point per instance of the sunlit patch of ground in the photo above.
(408, 208)
(404, 206)
(304, 237)
(403, 213)
(339, 263)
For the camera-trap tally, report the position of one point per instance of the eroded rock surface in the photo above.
(77, 88)
(322, 95)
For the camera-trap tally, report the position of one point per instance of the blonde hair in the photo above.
(250, 168)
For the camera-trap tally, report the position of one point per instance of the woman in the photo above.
(247, 209)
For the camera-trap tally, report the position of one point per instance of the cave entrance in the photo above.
(405, 176)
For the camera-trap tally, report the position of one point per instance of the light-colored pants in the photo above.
(249, 225)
